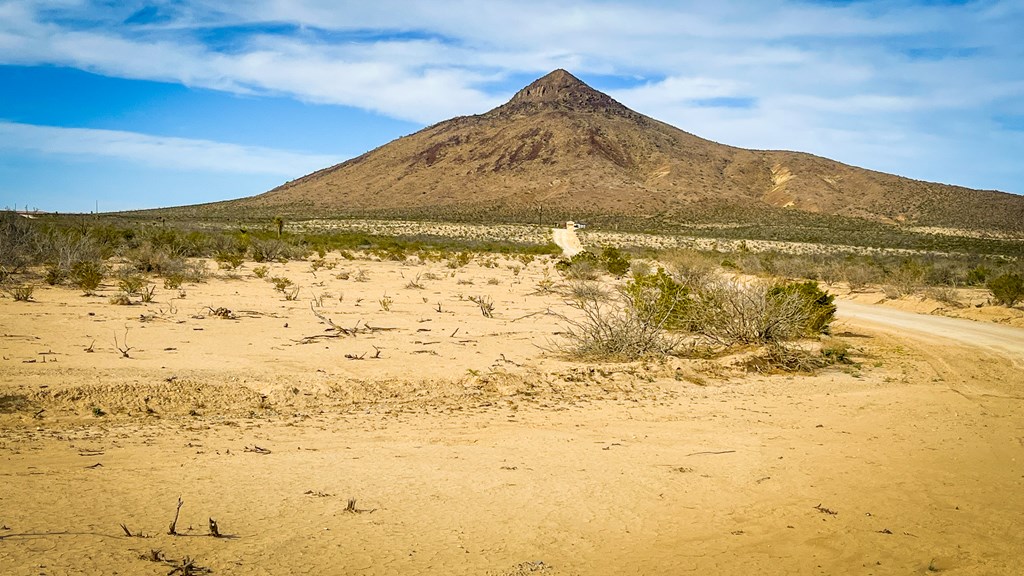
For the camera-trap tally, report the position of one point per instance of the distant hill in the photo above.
(559, 147)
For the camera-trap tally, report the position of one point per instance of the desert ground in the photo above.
(381, 423)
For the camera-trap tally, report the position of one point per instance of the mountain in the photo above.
(559, 147)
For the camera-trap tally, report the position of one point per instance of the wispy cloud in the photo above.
(160, 152)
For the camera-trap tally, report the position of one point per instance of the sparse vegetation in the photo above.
(1007, 289)
(21, 292)
(485, 304)
(281, 284)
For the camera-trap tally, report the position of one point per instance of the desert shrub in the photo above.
(62, 250)
(660, 297)
(54, 274)
(859, 275)
(728, 313)
(21, 292)
(87, 275)
(689, 267)
(19, 243)
(780, 357)
(121, 299)
(129, 281)
(260, 271)
(1008, 289)
(584, 290)
(583, 266)
(459, 260)
(389, 249)
(907, 278)
(639, 267)
(626, 327)
(280, 283)
(614, 261)
(819, 304)
(229, 260)
(269, 251)
(485, 304)
(978, 275)
(194, 271)
(945, 294)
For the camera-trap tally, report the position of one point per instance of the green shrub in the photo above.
(54, 274)
(131, 283)
(87, 275)
(614, 261)
(820, 306)
(228, 260)
(583, 266)
(1008, 289)
(21, 292)
(978, 275)
(659, 298)
(281, 283)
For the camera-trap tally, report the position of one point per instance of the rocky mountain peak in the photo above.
(561, 90)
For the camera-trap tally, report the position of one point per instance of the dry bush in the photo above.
(583, 266)
(690, 268)
(19, 243)
(63, 251)
(946, 294)
(583, 290)
(858, 276)
(727, 313)
(485, 303)
(21, 292)
(624, 326)
(779, 357)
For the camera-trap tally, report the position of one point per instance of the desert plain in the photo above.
(379, 422)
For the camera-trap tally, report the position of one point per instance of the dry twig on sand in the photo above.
(174, 523)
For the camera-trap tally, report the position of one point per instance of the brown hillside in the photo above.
(562, 147)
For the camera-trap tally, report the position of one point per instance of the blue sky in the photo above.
(147, 104)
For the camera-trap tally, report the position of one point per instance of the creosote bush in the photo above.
(626, 326)
(653, 314)
(87, 275)
(1008, 289)
(818, 304)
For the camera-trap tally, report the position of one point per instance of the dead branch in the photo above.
(338, 328)
(545, 312)
(174, 523)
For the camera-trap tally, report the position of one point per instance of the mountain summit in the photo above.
(562, 149)
(561, 90)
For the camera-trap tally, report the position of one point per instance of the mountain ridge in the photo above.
(560, 146)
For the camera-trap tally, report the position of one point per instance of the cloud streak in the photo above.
(166, 153)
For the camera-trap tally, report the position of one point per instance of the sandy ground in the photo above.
(471, 448)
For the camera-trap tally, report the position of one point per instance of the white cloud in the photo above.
(161, 152)
(835, 79)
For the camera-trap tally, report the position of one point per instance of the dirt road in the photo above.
(1005, 340)
(568, 241)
